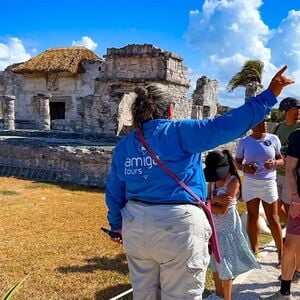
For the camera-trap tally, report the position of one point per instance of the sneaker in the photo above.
(213, 296)
(279, 296)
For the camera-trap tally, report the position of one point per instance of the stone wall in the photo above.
(77, 165)
(146, 62)
(87, 166)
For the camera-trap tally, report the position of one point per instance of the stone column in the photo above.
(206, 97)
(44, 122)
(9, 112)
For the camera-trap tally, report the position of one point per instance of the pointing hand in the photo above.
(279, 81)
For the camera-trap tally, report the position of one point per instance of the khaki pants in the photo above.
(167, 250)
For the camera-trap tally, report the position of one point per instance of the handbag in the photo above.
(213, 242)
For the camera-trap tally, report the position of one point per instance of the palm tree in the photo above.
(249, 77)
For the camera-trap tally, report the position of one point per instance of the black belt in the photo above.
(164, 203)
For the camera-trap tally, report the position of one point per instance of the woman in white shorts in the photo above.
(257, 156)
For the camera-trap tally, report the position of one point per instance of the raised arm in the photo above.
(209, 134)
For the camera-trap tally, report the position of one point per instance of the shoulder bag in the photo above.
(213, 242)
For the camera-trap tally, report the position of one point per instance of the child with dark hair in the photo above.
(236, 254)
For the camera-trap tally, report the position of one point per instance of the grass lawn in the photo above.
(51, 233)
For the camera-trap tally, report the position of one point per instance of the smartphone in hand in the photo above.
(112, 234)
(254, 166)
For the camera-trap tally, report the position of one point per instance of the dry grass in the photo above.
(52, 233)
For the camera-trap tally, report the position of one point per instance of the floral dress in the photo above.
(236, 254)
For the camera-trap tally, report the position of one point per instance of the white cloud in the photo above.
(285, 41)
(194, 12)
(86, 42)
(228, 32)
(12, 52)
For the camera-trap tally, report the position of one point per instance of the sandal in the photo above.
(258, 256)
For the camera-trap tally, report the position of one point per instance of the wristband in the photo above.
(294, 193)
(295, 203)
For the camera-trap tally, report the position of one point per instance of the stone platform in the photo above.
(56, 156)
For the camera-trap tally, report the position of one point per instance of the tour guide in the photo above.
(166, 237)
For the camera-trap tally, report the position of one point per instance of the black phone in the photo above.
(254, 166)
(112, 234)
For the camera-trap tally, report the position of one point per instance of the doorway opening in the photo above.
(57, 110)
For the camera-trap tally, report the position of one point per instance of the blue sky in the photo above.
(214, 37)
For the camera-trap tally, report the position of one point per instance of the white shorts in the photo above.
(283, 189)
(266, 190)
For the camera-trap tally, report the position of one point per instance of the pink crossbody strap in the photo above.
(206, 208)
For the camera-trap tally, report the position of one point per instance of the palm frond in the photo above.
(14, 289)
(250, 72)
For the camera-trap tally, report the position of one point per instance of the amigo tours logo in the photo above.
(135, 165)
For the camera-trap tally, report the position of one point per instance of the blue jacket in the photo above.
(178, 144)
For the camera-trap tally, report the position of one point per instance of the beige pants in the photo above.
(167, 250)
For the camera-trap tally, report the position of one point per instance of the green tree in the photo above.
(276, 115)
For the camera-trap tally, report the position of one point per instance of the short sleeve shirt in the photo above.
(259, 151)
(283, 132)
(294, 151)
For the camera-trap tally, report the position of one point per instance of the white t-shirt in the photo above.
(259, 151)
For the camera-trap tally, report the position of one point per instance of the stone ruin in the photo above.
(59, 109)
(96, 98)
(205, 98)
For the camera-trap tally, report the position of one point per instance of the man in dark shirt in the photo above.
(291, 248)
(291, 108)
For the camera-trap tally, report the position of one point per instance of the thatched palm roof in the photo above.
(56, 60)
